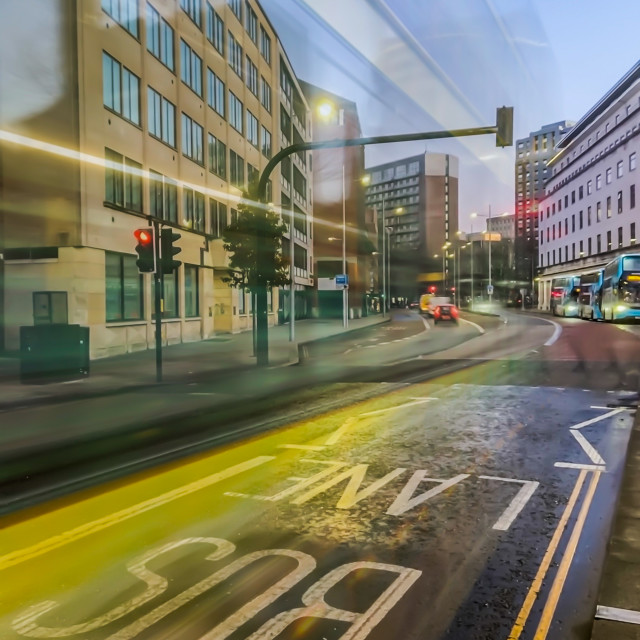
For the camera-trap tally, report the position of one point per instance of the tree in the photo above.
(239, 240)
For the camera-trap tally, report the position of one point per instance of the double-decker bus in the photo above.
(564, 296)
(621, 289)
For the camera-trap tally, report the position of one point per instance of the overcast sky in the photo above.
(421, 65)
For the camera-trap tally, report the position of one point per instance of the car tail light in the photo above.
(454, 312)
(436, 312)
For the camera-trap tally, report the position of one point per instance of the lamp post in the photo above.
(345, 291)
(480, 215)
(388, 231)
(445, 251)
(384, 271)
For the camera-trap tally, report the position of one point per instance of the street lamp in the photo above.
(480, 215)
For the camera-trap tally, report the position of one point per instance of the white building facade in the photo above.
(590, 213)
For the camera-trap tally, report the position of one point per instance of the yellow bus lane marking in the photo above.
(88, 528)
(565, 564)
(534, 589)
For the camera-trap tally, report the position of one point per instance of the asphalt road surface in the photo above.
(467, 495)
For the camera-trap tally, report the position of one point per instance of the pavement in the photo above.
(222, 354)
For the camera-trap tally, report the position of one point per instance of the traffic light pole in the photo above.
(158, 290)
(504, 138)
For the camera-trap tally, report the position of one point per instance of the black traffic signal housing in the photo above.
(168, 238)
(146, 250)
(504, 124)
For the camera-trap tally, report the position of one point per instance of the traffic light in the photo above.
(432, 289)
(145, 249)
(168, 250)
(504, 123)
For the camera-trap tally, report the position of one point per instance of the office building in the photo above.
(168, 109)
(589, 213)
(531, 173)
(417, 202)
(338, 204)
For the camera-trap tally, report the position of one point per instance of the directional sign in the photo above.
(342, 279)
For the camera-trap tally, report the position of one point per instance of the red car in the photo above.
(445, 312)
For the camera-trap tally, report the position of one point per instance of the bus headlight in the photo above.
(621, 307)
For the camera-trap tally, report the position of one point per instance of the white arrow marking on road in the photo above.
(517, 504)
(404, 502)
(577, 465)
(594, 456)
(604, 416)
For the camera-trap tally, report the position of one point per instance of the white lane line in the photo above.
(474, 325)
(426, 324)
(398, 406)
(303, 447)
(93, 526)
(604, 416)
(556, 333)
(618, 615)
(518, 502)
(594, 456)
(578, 465)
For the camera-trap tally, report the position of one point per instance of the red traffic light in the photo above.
(143, 236)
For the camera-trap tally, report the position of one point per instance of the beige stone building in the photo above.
(119, 112)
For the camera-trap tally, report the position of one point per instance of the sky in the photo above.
(425, 65)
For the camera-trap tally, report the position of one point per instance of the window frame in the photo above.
(123, 88)
(122, 288)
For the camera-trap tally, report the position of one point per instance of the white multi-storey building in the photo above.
(589, 213)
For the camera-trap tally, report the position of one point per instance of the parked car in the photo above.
(445, 312)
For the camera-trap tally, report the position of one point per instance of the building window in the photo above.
(215, 30)
(598, 211)
(566, 253)
(573, 223)
(252, 76)
(598, 244)
(251, 22)
(217, 218)
(566, 226)
(236, 170)
(190, 68)
(598, 181)
(242, 301)
(265, 139)
(608, 240)
(123, 288)
(215, 92)
(191, 297)
(163, 197)
(192, 209)
(120, 89)
(573, 250)
(619, 201)
(566, 201)
(588, 216)
(235, 112)
(123, 181)
(235, 54)
(620, 237)
(236, 7)
(265, 94)
(608, 206)
(159, 37)
(161, 117)
(193, 9)
(588, 246)
(632, 232)
(252, 174)
(632, 196)
(265, 45)
(217, 152)
(252, 129)
(580, 193)
(608, 176)
(581, 220)
(124, 12)
(589, 185)
(632, 161)
(619, 169)
(192, 139)
(573, 197)
(581, 248)
(170, 295)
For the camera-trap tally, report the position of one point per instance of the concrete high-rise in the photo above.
(531, 173)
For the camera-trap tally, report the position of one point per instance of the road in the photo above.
(463, 489)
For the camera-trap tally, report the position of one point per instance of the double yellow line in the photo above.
(565, 564)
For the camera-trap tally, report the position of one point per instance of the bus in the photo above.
(621, 289)
(564, 296)
(590, 300)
